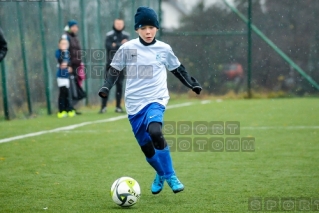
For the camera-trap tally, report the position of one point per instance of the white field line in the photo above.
(205, 102)
(242, 128)
(280, 127)
(71, 127)
(179, 105)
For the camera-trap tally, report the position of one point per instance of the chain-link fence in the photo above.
(211, 42)
(32, 27)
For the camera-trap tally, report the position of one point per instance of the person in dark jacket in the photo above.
(114, 39)
(3, 46)
(76, 90)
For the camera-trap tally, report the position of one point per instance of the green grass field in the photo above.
(72, 170)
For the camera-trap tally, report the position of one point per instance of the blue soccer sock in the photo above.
(156, 164)
(166, 161)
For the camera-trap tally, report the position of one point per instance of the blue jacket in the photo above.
(62, 57)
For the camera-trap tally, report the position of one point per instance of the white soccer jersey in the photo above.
(146, 77)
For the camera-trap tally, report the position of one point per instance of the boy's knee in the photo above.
(155, 130)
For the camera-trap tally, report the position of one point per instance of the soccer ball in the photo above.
(125, 191)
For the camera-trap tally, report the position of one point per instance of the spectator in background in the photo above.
(63, 81)
(76, 64)
(3, 46)
(114, 39)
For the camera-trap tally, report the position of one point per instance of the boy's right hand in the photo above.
(63, 65)
(104, 92)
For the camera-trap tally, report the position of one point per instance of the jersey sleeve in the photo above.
(118, 59)
(172, 61)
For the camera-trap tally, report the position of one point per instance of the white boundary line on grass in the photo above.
(280, 127)
(71, 127)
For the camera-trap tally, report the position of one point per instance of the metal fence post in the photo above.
(133, 12)
(99, 21)
(60, 17)
(160, 19)
(4, 91)
(84, 43)
(249, 49)
(99, 33)
(44, 61)
(24, 58)
(117, 13)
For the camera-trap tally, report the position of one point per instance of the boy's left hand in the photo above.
(196, 87)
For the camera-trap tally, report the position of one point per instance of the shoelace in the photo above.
(174, 181)
(158, 180)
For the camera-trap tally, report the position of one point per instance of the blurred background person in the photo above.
(3, 46)
(76, 91)
(114, 39)
(63, 81)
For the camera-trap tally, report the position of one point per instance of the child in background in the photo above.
(146, 96)
(63, 70)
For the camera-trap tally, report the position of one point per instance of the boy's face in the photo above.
(147, 33)
(64, 44)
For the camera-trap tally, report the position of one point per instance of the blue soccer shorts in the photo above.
(152, 112)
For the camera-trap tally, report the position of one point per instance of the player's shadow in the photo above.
(121, 208)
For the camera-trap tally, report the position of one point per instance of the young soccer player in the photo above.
(63, 81)
(146, 61)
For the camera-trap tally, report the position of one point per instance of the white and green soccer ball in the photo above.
(125, 191)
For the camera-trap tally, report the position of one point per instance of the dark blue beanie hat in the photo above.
(145, 16)
(72, 23)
